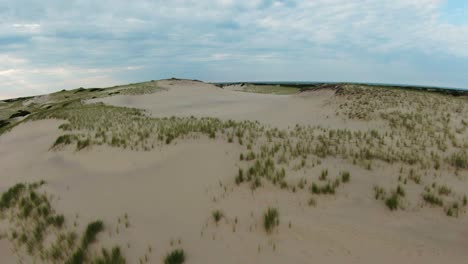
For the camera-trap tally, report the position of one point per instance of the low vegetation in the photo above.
(270, 219)
(34, 221)
(176, 256)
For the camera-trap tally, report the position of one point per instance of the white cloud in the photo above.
(52, 46)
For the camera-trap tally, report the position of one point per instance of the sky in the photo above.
(51, 45)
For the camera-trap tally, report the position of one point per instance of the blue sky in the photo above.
(51, 45)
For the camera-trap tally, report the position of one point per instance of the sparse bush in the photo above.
(175, 257)
(270, 219)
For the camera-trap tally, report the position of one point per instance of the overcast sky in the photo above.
(51, 45)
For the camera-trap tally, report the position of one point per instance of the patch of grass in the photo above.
(328, 188)
(91, 232)
(345, 176)
(392, 202)
(217, 215)
(323, 175)
(312, 202)
(78, 257)
(400, 191)
(459, 159)
(444, 190)
(11, 196)
(81, 144)
(379, 193)
(240, 177)
(432, 199)
(270, 219)
(64, 140)
(177, 256)
(270, 89)
(113, 257)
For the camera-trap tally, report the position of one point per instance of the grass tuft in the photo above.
(270, 219)
(175, 257)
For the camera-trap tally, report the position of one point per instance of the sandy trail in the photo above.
(168, 195)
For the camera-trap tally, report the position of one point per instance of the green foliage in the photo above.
(400, 191)
(444, 190)
(64, 140)
(240, 177)
(345, 176)
(392, 202)
(328, 188)
(432, 199)
(175, 257)
(459, 159)
(270, 89)
(91, 232)
(270, 219)
(114, 257)
(217, 215)
(11, 196)
(78, 257)
(323, 175)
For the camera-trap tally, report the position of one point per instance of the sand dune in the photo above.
(170, 192)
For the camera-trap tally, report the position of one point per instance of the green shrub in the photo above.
(175, 257)
(270, 219)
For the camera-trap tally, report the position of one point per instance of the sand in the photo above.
(169, 193)
(187, 98)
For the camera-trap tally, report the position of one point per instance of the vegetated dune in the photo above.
(364, 175)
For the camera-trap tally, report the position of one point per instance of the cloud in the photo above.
(54, 44)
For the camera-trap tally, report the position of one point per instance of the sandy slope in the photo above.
(170, 193)
(186, 98)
